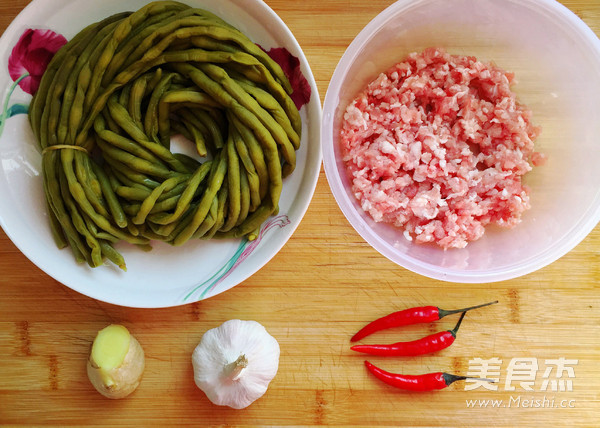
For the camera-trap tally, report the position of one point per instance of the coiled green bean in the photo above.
(111, 100)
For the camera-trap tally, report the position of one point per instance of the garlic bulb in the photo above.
(234, 363)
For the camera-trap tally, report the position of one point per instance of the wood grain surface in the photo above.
(321, 288)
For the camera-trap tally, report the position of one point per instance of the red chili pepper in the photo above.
(422, 314)
(426, 345)
(424, 382)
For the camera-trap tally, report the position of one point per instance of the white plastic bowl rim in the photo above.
(579, 230)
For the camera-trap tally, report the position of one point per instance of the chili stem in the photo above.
(443, 312)
(450, 378)
(455, 329)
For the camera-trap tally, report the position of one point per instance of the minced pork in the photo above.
(438, 145)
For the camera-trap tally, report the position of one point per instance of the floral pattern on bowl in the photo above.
(26, 65)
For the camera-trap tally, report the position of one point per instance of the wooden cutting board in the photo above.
(320, 289)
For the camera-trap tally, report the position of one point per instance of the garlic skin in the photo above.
(234, 363)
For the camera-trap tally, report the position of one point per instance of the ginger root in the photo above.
(116, 362)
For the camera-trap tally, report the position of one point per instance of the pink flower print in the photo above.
(31, 55)
(291, 67)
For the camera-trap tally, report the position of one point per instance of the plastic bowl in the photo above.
(556, 59)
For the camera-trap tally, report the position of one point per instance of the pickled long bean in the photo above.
(108, 105)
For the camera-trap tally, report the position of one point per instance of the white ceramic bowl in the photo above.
(556, 59)
(166, 276)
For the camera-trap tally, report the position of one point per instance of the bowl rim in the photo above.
(349, 207)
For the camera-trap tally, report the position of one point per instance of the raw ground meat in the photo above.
(438, 145)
